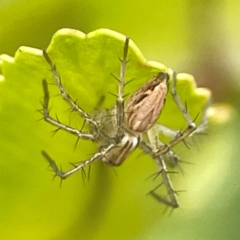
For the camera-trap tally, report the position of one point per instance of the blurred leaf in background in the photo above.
(201, 38)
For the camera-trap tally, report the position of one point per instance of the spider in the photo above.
(126, 126)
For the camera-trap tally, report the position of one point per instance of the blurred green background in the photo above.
(198, 37)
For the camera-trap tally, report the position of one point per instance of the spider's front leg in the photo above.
(66, 97)
(56, 123)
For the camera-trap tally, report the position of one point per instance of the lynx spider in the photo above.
(120, 130)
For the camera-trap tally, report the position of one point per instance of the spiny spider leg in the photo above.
(65, 95)
(179, 103)
(202, 127)
(58, 124)
(146, 147)
(77, 167)
(120, 97)
(168, 184)
(189, 131)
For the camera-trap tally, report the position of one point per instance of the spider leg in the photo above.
(166, 181)
(65, 95)
(79, 166)
(191, 129)
(120, 96)
(166, 131)
(57, 123)
(179, 103)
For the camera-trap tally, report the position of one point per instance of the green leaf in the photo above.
(108, 204)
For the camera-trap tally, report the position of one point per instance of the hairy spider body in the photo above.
(120, 130)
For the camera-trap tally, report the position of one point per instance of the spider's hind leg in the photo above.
(79, 166)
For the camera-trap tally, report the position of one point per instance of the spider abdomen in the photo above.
(144, 106)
